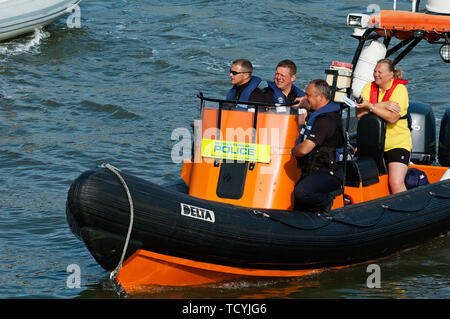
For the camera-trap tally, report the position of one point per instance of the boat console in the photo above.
(243, 155)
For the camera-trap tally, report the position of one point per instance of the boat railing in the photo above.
(248, 106)
(258, 107)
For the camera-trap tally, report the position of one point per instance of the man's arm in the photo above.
(388, 110)
(303, 148)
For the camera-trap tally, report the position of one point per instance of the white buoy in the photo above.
(446, 175)
(368, 59)
(438, 6)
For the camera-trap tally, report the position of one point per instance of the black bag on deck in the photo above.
(415, 177)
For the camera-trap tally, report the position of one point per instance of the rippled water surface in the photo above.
(115, 89)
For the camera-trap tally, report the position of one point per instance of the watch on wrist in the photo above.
(371, 108)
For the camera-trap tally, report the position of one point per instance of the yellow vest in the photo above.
(398, 134)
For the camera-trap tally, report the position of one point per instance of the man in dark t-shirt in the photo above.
(318, 152)
(245, 86)
(282, 89)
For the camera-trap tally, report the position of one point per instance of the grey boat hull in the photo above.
(18, 17)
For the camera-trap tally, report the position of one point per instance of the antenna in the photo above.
(415, 5)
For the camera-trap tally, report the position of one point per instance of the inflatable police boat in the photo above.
(231, 215)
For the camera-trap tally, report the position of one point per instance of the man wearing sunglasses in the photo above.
(245, 86)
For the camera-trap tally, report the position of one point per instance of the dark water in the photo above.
(115, 89)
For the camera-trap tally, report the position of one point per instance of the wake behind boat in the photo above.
(18, 17)
(232, 213)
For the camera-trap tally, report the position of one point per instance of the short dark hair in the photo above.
(245, 64)
(322, 87)
(288, 64)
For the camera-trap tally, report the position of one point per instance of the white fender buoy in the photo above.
(368, 59)
(438, 6)
(446, 175)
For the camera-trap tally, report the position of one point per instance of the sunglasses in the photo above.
(236, 72)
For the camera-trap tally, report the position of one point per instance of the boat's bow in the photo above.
(19, 17)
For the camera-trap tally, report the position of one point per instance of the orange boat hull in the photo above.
(145, 268)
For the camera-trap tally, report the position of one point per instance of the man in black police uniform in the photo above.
(318, 153)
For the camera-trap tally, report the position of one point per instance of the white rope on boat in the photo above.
(115, 170)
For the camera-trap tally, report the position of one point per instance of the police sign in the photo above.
(236, 151)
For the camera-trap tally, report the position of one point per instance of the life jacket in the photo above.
(321, 156)
(330, 107)
(245, 94)
(278, 95)
(374, 89)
